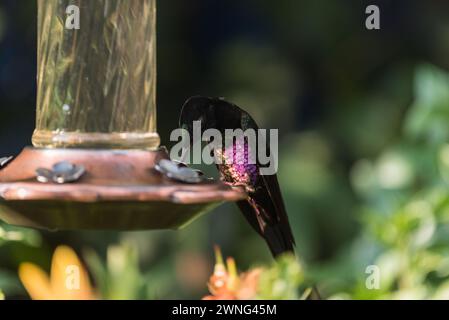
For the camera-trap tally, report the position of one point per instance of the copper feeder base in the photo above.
(120, 190)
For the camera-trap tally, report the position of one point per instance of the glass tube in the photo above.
(96, 84)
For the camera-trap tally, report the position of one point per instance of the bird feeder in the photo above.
(96, 146)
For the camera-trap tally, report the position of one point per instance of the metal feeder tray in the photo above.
(120, 190)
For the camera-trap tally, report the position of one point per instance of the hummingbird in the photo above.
(264, 207)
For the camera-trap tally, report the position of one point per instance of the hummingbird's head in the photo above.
(198, 108)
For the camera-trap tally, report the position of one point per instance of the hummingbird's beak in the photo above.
(187, 140)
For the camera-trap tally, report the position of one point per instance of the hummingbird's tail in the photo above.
(278, 235)
(278, 240)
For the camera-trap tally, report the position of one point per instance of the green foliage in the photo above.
(120, 277)
(428, 116)
(282, 280)
(15, 239)
(405, 206)
(14, 234)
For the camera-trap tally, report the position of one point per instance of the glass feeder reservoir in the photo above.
(97, 74)
(96, 147)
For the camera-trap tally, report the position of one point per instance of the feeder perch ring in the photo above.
(120, 190)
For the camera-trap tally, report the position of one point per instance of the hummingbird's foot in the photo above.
(247, 188)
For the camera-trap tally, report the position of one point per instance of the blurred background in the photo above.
(364, 161)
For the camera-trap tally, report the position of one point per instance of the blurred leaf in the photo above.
(282, 281)
(10, 283)
(16, 234)
(120, 277)
(428, 116)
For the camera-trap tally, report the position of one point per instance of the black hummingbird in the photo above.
(264, 208)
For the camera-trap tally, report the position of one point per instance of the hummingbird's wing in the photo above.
(271, 184)
(266, 210)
